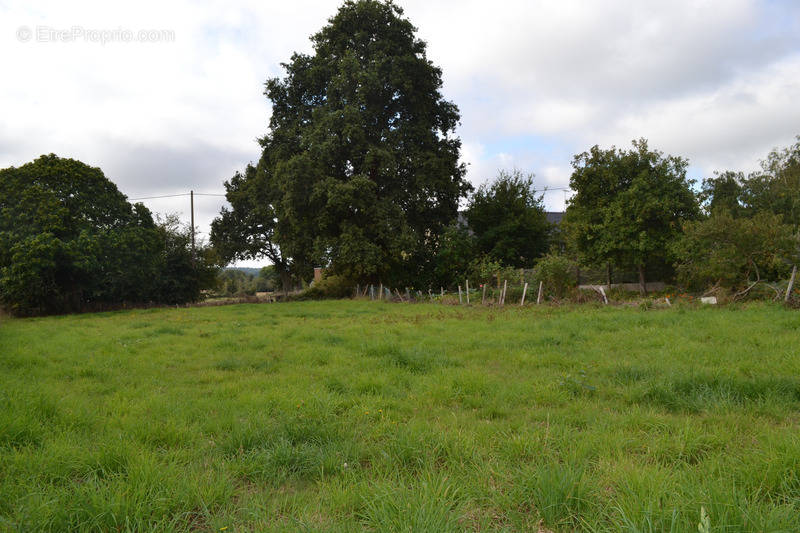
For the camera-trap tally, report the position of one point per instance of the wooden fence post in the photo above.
(503, 294)
(524, 291)
(483, 297)
(539, 296)
(467, 292)
(441, 290)
(791, 284)
(459, 295)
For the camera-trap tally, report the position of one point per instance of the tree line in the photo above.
(360, 173)
(70, 241)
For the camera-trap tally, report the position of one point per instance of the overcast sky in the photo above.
(180, 105)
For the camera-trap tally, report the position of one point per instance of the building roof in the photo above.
(554, 217)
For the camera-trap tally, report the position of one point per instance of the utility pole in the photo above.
(191, 200)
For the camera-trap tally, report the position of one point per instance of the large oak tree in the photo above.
(360, 167)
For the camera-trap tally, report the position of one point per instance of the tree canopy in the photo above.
(734, 252)
(359, 169)
(69, 240)
(628, 206)
(508, 220)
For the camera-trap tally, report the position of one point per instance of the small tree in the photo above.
(508, 219)
(628, 207)
(724, 192)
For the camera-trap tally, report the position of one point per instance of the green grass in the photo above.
(342, 416)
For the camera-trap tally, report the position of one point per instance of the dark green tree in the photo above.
(359, 169)
(628, 207)
(723, 192)
(182, 276)
(457, 251)
(69, 238)
(70, 241)
(246, 230)
(509, 221)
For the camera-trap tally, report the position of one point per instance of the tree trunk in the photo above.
(286, 281)
(642, 282)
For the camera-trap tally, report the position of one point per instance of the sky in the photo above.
(167, 97)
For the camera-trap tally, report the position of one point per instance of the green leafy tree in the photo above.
(509, 221)
(724, 191)
(776, 188)
(182, 276)
(734, 252)
(359, 170)
(454, 257)
(246, 230)
(628, 207)
(69, 238)
(69, 241)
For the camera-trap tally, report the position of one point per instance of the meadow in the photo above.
(354, 415)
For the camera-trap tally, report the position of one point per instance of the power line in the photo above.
(164, 196)
(176, 195)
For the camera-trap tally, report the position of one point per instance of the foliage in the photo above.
(773, 189)
(358, 415)
(508, 220)
(484, 269)
(330, 286)
(454, 257)
(359, 169)
(724, 192)
(247, 229)
(236, 282)
(557, 274)
(182, 276)
(70, 241)
(628, 206)
(776, 188)
(733, 252)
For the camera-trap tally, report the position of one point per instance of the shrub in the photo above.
(330, 286)
(556, 272)
(733, 253)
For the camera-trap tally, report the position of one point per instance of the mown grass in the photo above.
(342, 416)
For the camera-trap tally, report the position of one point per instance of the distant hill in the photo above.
(247, 270)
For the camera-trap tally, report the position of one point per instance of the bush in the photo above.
(732, 253)
(330, 286)
(557, 274)
(70, 241)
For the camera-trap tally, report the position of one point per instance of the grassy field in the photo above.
(342, 416)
